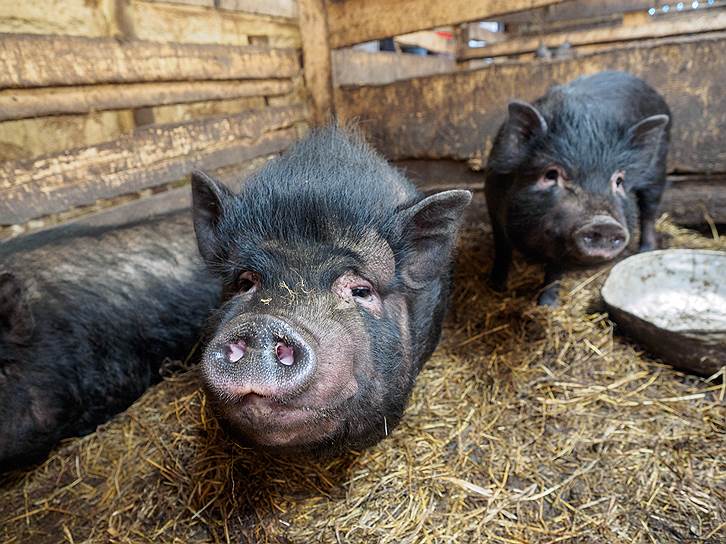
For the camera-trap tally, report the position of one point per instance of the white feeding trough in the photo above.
(673, 302)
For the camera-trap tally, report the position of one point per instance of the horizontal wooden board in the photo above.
(45, 61)
(29, 138)
(579, 10)
(457, 115)
(190, 24)
(651, 28)
(71, 17)
(151, 156)
(276, 8)
(688, 199)
(21, 104)
(358, 21)
(352, 67)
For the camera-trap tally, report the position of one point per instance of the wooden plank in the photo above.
(275, 8)
(179, 113)
(358, 21)
(352, 67)
(687, 199)
(316, 57)
(457, 115)
(29, 138)
(651, 28)
(46, 61)
(72, 17)
(149, 157)
(189, 24)
(21, 104)
(581, 9)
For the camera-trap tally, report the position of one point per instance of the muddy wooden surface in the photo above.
(457, 115)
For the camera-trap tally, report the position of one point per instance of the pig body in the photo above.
(87, 315)
(573, 177)
(336, 276)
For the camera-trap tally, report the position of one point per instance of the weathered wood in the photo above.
(20, 104)
(316, 57)
(457, 115)
(352, 67)
(687, 199)
(653, 28)
(190, 24)
(151, 156)
(357, 21)
(580, 9)
(29, 138)
(74, 17)
(45, 61)
(275, 8)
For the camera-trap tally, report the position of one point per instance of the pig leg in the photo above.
(648, 202)
(551, 289)
(502, 259)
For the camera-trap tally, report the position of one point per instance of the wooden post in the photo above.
(316, 57)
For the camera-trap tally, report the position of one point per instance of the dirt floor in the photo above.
(527, 425)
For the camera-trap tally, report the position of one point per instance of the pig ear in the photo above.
(16, 318)
(208, 203)
(525, 121)
(646, 134)
(430, 227)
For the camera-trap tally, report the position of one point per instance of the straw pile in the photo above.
(528, 425)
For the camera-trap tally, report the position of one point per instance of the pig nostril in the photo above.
(285, 354)
(236, 350)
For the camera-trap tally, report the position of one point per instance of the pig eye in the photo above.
(247, 282)
(552, 176)
(361, 292)
(617, 182)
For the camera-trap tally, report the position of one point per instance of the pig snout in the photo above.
(261, 355)
(601, 238)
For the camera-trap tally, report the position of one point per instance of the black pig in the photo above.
(569, 174)
(87, 315)
(336, 274)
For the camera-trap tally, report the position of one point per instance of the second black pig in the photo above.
(87, 316)
(336, 275)
(569, 175)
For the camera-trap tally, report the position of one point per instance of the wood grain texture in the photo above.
(317, 64)
(357, 21)
(275, 8)
(152, 156)
(457, 115)
(29, 138)
(45, 61)
(26, 103)
(190, 24)
(651, 28)
(688, 199)
(71, 17)
(352, 67)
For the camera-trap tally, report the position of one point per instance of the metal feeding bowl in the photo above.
(673, 302)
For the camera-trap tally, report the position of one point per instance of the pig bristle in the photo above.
(527, 425)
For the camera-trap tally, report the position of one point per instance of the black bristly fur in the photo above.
(100, 309)
(588, 128)
(297, 222)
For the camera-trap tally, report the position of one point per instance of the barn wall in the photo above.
(109, 100)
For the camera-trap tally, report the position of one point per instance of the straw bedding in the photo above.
(527, 425)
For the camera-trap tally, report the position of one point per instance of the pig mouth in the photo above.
(265, 421)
